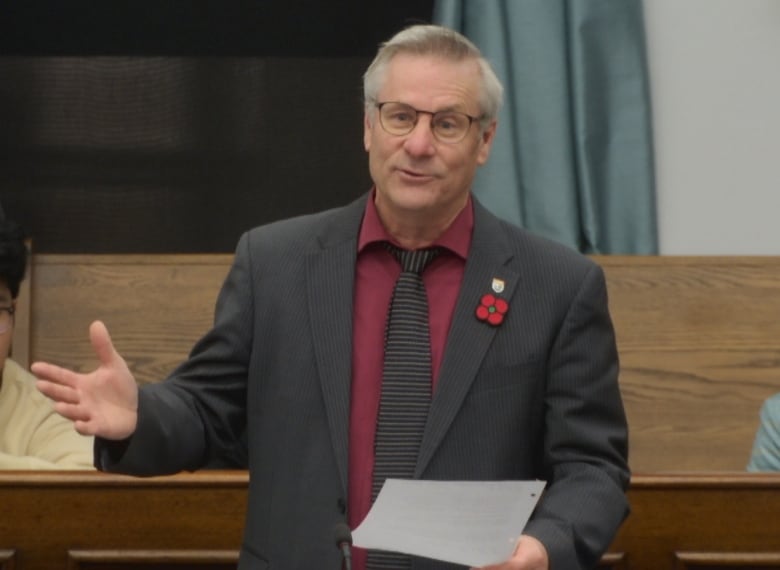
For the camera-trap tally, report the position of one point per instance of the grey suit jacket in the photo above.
(536, 397)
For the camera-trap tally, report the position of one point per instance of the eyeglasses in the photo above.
(447, 126)
(6, 318)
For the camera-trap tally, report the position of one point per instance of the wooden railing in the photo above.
(91, 520)
(107, 522)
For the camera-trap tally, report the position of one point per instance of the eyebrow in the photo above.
(452, 107)
(449, 109)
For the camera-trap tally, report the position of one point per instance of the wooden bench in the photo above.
(699, 337)
(155, 307)
(96, 521)
(699, 343)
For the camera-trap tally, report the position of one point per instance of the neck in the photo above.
(417, 229)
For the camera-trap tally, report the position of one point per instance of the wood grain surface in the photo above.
(97, 521)
(699, 343)
(698, 337)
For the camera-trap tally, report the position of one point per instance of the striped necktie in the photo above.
(406, 385)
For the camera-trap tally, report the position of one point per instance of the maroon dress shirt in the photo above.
(375, 275)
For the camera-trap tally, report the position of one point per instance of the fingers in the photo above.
(101, 343)
(73, 412)
(84, 428)
(58, 392)
(53, 374)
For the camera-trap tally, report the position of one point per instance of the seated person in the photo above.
(766, 448)
(32, 434)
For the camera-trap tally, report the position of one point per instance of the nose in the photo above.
(420, 142)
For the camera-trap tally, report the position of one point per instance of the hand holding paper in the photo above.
(475, 523)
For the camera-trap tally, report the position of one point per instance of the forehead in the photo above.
(432, 82)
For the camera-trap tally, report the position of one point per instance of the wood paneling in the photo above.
(699, 343)
(99, 521)
(699, 337)
(155, 307)
(702, 522)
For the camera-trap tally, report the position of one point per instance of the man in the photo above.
(523, 364)
(32, 435)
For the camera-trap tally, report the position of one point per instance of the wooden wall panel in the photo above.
(155, 307)
(698, 337)
(699, 343)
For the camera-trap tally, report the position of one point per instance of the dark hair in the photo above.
(13, 255)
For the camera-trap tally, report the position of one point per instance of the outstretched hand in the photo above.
(103, 402)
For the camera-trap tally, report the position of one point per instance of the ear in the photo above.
(367, 131)
(486, 143)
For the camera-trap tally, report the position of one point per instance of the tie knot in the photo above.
(413, 260)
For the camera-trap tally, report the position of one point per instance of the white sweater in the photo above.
(32, 435)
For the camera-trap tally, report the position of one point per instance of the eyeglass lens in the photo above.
(400, 119)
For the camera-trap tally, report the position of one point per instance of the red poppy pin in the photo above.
(492, 309)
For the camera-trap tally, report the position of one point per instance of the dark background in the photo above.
(175, 126)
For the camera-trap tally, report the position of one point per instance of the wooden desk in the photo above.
(94, 521)
(700, 522)
(66, 520)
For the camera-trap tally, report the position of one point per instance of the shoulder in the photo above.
(771, 408)
(534, 255)
(304, 233)
(15, 375)
(19, 384)
(524, 241)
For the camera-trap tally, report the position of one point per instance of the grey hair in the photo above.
(441, 42)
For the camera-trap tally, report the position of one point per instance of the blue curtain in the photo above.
(573, 156)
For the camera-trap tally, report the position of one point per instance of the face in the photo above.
(416, 176)
(5, 338)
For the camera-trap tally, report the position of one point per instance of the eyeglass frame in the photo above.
(380, 104)
(11, 310)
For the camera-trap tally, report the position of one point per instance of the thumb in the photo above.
(101, 342)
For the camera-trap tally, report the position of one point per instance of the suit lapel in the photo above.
(469, 338)
(330, 280)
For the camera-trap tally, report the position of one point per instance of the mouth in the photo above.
(414, 174)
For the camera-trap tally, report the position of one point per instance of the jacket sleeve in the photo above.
(586, 435)
(766, 447)
(199, 410)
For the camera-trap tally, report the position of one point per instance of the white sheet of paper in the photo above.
(465, 522)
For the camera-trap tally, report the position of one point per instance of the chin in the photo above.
(414, 198)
